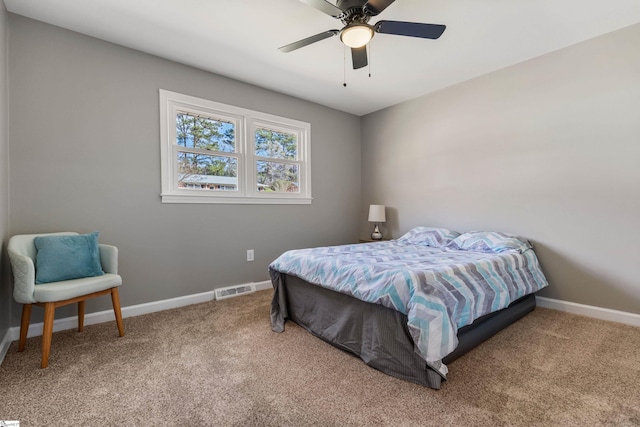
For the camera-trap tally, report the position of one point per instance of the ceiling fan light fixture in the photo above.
(356, 35)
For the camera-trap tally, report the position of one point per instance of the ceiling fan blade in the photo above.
(324, 6)
(374, 7)
(359, 57)
(308, 41)
(412, 29)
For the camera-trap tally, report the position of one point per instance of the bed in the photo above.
(410, 306)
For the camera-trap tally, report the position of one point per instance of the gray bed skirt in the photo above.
(376, 334)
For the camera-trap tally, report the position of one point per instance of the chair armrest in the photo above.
(24, 278)
(109, 258)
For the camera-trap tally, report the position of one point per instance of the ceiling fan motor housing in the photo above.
(348, 4)
(353, 11)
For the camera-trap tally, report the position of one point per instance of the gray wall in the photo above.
(5, 284)
(548, 149)
(85, 155)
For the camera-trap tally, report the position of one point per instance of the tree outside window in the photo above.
(272, 175)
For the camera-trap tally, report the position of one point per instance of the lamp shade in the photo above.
(376, 213)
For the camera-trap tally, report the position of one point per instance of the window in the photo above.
(217, 153)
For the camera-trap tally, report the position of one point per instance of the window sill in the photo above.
(237, 200)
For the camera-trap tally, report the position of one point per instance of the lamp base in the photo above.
(376, 235)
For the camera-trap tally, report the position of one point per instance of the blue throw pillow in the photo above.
(67, 257)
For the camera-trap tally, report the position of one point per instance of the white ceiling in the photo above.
(239, 39)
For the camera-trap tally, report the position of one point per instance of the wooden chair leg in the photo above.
(115, 299)
(47, 332)
(81, 316)
(24, 326)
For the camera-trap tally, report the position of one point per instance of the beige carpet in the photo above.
(220, 364)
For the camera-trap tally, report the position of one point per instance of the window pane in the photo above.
(203, 172)
(277, 145)
(205, 133)
(278, 177)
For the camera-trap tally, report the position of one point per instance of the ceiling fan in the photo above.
(356, 33)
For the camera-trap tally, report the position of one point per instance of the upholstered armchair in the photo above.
(33, 286)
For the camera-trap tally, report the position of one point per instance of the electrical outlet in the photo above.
(250, 255)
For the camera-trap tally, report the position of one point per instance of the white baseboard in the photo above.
(108, 316)
(151, 307)
(263, 286)
(590, 311)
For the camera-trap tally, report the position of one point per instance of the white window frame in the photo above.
(245, 121)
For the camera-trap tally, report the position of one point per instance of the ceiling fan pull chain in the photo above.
(344, 66)
(369, 52)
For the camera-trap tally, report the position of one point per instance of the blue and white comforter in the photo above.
(439, 290)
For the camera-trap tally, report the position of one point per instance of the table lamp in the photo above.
(376, 215)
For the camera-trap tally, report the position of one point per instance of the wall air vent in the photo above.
(234, 291)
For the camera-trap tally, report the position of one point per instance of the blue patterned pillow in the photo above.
(429, 236)
(67, 257)
(489, 241)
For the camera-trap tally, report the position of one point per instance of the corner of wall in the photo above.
(5, 279)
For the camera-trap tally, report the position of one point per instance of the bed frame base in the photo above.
(376, 334)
